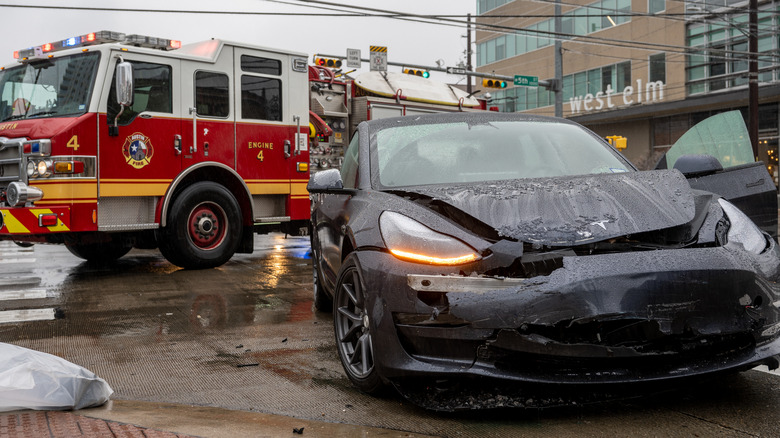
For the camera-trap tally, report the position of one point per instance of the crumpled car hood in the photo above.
(574, 210)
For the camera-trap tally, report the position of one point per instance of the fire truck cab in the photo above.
(111, 141)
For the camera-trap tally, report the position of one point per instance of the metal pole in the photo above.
(542, 82)
(558, 62)
(468, 53)
(753, 75)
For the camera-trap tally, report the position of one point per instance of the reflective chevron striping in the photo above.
(12, 224)
(25, 220)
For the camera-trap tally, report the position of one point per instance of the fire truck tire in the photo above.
(203, 229)
(101, 252)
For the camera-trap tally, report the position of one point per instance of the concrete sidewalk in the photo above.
(120, 418)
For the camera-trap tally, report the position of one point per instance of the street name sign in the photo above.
(527, 81)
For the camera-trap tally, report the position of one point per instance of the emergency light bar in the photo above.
(152, 42)
(102, 37)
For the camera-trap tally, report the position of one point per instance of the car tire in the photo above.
(322, 301)
(353, 329)
(100, 252)
(203, 229)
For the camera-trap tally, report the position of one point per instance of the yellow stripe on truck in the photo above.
(12, 224)
(269, 188)
(59, 227)
(66, 190)
(299, 189)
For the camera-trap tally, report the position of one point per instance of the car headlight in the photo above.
(742, 229)
(410, 240)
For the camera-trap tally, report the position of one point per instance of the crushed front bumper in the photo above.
(629, 317)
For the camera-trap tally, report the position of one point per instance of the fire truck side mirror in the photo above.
(124, 83)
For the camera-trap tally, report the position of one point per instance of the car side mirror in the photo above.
(697, 165)
(327, 181)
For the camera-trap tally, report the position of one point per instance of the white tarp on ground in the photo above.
(31, 379)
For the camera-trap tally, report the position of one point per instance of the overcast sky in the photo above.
(415, 43)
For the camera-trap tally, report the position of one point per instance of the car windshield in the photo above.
(463, 152)
(47, 88)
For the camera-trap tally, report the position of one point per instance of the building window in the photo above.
(501, 48)
(607, 77)
(658, 68)
(487, 5)
(580, 21)
(623, 75)
(656, 6)
(721, 58)
(739, 64)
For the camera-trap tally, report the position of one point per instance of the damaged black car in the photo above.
(525, 249)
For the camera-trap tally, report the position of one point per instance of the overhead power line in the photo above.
(585, 39)
(352, 11)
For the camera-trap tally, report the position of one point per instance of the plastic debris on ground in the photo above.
(31, 379)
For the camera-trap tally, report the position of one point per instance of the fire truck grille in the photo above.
(10, 160)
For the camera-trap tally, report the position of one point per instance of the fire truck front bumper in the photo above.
(27, 221)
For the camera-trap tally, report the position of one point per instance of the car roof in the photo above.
(468, 117)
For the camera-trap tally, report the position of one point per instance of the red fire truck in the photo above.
(339, 104)
(111, 141)
(108, 142)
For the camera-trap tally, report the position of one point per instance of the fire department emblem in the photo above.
(137, 150)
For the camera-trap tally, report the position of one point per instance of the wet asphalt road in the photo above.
(244, 337)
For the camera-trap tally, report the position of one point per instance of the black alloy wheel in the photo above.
(353, 329)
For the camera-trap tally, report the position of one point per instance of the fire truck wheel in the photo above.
(100, 252)
(204, 227)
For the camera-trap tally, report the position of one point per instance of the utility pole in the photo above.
(468, 53)
(753, 75)
(559, 62)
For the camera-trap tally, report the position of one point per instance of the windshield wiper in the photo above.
(16, 117)
(42, 113)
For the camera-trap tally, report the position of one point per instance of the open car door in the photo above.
(716, 156)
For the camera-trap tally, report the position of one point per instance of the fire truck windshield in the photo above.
(53, 87)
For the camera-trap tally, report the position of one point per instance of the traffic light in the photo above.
(617, 141)
(411, 71)
(328, 62)
(493, 83)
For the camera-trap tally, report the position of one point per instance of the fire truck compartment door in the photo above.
(385, 111)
